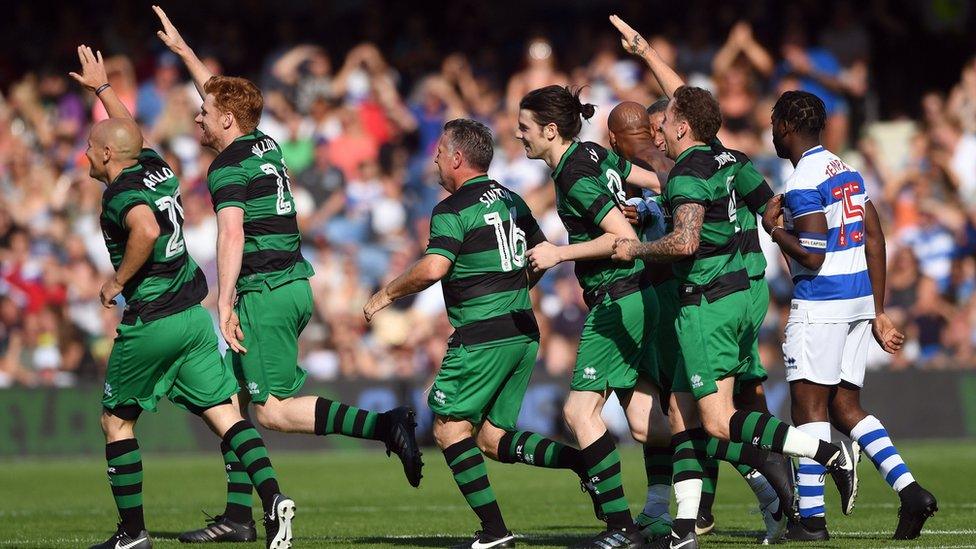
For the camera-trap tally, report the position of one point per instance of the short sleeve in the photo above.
(119, 205)
(687, 189)
(591, 199)
(622, 165)
(804, 201)
(446, 233)
(752, 187)
(228, 187)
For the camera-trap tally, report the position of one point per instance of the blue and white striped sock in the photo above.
(874, 440)
(809, 476)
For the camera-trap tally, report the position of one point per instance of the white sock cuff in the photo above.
(865, 426)
(687, 493)
(816, 429)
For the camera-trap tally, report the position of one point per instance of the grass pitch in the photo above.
(361, 499)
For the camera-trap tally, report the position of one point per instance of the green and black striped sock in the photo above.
(249, 448)
(336, 417)
(709, 486)
(535, 449)
(759, 430)
(744, 457)
(468, 466)
(602, 464)
(239, 487)
(657, 465)
(125, 476)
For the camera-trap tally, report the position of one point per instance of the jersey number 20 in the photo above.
(511, 246)
(170, 205)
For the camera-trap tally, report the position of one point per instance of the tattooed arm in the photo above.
(679, 244)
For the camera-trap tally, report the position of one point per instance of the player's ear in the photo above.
(457, 159)
(550, 131)
(227, 120)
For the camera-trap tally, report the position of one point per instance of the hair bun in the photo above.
(587, 110)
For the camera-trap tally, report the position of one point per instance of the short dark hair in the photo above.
(803, 111)
(658, 106)
(473, 139)
(558, 105)
(699, 109)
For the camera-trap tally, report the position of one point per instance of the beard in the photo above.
(780, 147)
(208, 139)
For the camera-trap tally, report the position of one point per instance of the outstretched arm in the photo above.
(421, 275)
(94, 78)
(633, 42)
(614, 225)
(171, 37)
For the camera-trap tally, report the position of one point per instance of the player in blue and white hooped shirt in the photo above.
(833, 239)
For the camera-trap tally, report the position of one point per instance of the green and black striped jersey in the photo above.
(750, 194)
(170, 281)
(485, 230)
(706, 177)
(589, 183)
(250, 174)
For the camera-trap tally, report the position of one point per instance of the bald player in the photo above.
(635, 135)
(166, 344)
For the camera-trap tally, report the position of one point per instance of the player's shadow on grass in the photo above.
(529, 540)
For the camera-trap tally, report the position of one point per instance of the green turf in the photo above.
(360, 499)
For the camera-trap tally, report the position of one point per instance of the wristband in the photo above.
(773, 230)
(102, 88)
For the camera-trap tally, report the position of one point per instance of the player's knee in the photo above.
(488, 446)
(716, 426)
(576, 417)
(803, 411)
(638, 430)
(116, 428)
(269, 417)
(444, 436)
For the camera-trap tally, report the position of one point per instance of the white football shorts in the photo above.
(826, 353)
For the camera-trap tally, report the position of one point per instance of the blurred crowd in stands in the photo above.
(358, 125)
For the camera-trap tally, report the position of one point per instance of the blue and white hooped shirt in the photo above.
(840, 291)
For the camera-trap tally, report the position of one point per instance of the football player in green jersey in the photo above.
(264, 299)
(166, 346)
(633, 135)
(616, 351)
(713, 325)
(478, 239)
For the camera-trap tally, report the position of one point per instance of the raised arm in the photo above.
(633, 42)
(171, 37)
(421, 275)
(94, 78)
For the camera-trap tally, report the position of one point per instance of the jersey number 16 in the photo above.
(511, 246)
